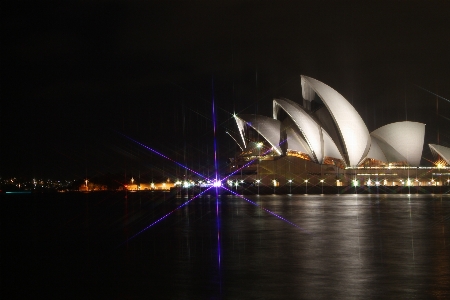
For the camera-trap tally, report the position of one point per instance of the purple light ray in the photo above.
(269, 211)
(218, 237)
(216, 186)
(166, 215)
(214, 132)
(166, 157)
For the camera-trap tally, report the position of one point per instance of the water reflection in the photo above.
(336, 246)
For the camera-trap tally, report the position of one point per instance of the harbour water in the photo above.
(120, 246)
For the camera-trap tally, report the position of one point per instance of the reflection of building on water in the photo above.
(325, 141)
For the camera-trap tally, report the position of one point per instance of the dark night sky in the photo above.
(76, 74)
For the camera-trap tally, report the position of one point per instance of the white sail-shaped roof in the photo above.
(267, 127)
(375, 151)
(241, 126)
(308, 127)
(296, 142)
(406, 138)
(442, 151)
(307, 92)
(352, 129)
(329, 147)
(390, 154)
(238, 141)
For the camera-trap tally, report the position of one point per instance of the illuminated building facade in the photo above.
(325, 140)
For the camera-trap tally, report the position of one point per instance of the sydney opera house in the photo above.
(325, 141)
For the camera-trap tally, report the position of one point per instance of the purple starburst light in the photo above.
(217, 183)
(214, 138)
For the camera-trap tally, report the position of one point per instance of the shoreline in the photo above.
(266, 190)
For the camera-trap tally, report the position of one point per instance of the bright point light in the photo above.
(321, 180)
(290, 180)
(259, 145)
(217, 183)
(306, 180)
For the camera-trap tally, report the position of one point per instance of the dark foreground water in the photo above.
(331, 247)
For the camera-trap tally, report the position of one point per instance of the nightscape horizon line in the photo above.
(269, 211)
(165, 216)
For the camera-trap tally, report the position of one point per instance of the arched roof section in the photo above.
(296, 142)
(404, 137)
(237, 139)
(241, 127)
(442, 151)
(307, 126)
(388, 152)
(329, 147)
(352, 128)
(375, 151)
(267, 127)
(307, 92)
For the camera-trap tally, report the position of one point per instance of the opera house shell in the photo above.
(327, 130)
(441, 152)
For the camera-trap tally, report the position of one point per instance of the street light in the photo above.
(306, 183)
(321, 181)
(290, 186)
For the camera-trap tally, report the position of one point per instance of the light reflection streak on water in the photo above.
(411, 226)
(268, 211)
(218, 243)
